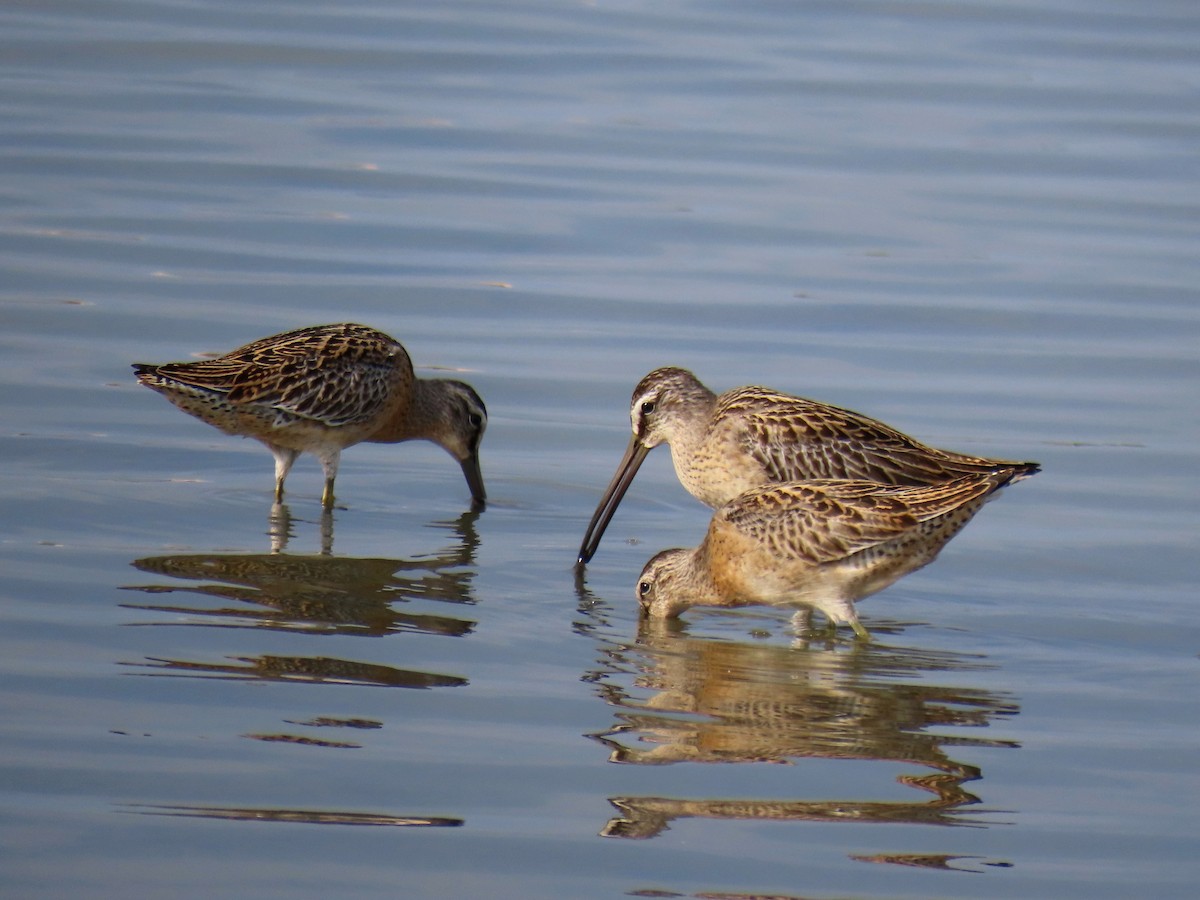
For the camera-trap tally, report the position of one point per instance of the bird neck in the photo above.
(702, 589)
(686, 420)
(417, 419)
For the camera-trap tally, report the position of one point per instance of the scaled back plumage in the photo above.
(321, 389)
(724, 445)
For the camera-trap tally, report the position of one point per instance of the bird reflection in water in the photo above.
(690, 699)
(316, 594)
(281, 528)
(300, 816)
(312, 669)
(322, 594)
(946, 862)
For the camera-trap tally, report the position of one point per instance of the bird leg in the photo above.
(838, 611)
(284, 459)
(844, 614)
(329, 462)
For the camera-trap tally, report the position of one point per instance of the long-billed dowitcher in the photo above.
(724, 445)
(821, 544)
(322, 389)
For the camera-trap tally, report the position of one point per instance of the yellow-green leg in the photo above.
(860, 630)
(285, 457)
(329, 463)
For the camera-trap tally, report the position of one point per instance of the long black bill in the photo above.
(628, 467)
(470, 468)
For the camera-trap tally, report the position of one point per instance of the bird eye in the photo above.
(644, 587)
(475, 419)
(647, 407)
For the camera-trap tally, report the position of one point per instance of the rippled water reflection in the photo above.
(974, 221)
(321, 593)
(722, 701)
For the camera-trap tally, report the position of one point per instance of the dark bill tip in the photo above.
(471, 470)
(635, 453)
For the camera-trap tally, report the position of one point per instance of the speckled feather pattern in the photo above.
(793, 438)
(822, 544)
(824, 521)
(724, 445)
(322, 389)
(330, 375)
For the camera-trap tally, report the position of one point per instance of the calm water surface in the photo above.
(977, 221)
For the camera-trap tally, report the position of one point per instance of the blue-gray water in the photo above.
(978, 221)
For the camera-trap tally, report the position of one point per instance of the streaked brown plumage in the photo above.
(724, 445)
(322, 389)
(821, 544)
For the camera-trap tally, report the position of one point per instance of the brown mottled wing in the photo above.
(332, 374)
(795, 439)
(823, 521)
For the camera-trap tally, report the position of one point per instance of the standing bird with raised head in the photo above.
(322, 389)
(723, 446)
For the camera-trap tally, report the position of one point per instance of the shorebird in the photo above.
(820, 544)
(322, 389)
(724, 445)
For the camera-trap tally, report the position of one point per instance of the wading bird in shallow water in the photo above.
(322, 389)
(819, 544)
(724, 445)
